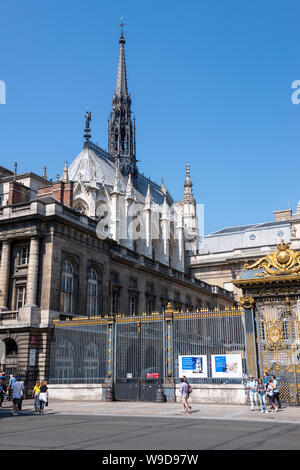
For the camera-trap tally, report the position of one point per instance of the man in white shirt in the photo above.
(276, 391)
(17, 394)
(252, 387)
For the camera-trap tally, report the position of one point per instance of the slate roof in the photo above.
(94, 163)
(246, 236)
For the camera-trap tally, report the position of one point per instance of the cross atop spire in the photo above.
(121, 25)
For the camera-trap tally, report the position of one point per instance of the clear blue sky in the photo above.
(210, 83)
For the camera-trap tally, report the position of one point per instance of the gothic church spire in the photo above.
(121, 127)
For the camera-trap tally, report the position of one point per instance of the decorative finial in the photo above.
(57, 177)
(65, 175)
(188, 177)
(15, 170)
(45, 172)
(122, 25)
(87, 130)
(163, 188)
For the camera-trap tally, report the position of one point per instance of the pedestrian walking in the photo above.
(17, 394)
(184, 390)
(21, 402)
(276, 392)
(43, 397)
(266, 377)
(261, 392)
(35, 395)
(12, 380)
(2, 389)
(270, 394)
(252, 387)
(189, 391)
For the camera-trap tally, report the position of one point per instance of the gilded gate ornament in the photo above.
(282, 261)
(274, 335)
(247, 301)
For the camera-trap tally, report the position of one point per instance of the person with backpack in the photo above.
(43, 397)
(189, 390)
(184, 389)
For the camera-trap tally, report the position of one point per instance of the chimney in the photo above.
(285, 214)
(17, 193)
(62, 192)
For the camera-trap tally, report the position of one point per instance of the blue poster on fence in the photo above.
(193, 366)
(220, 363)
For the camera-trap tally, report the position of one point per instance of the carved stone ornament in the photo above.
(247, 301)
(274, 335)
(282, 261)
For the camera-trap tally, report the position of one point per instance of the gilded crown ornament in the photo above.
(282, 261)
(247, 301)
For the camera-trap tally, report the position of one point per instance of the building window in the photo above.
(21, 296)
(92, 293)
(149, 305)
(114, 302)
(132, 305)
(24, 255)
(67, 288)
(133, 282)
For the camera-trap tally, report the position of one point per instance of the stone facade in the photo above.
(100, 240)
(48, 254)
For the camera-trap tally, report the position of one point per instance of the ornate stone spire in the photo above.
(165, 210)
(117, 184)
(121, 128)
(148, 198)
(121, 87)
(129, 188)
(188, 193)
(65, 175)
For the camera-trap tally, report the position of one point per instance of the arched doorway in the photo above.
(11, 356)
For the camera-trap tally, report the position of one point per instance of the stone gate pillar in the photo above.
(247, 303)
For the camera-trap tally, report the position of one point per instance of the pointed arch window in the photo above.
(67, 288)
(92, 293)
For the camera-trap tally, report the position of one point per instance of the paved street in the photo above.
(147, 426)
